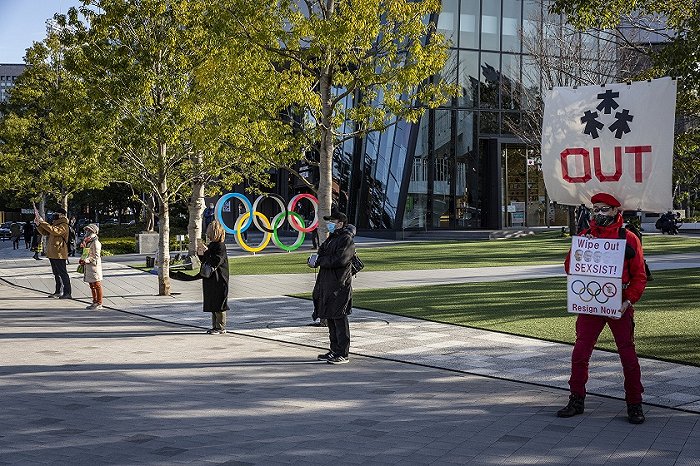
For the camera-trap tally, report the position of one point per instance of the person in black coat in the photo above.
(28, 233)
(215, 287)
(332, 295)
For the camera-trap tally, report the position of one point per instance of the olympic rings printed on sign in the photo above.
(270, 229)
(593, 290)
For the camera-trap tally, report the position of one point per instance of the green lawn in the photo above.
(667, 318)
(542, 248)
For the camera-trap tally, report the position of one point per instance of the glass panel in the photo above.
(589, 44)
(442, 169)
(447, 20)
(510, 81)
(468, 78)
(511, 123)
(384, 154)
(449, 71)
(551, 32)
(490, 73)
(536, 198)
(488, 122)
(511, 25)
(491, 25)
(467, 187)
(532, 16)
(400, 150)
(417, 197)
(513, 166)
(469, 24)
(415, 212)
(531, 84)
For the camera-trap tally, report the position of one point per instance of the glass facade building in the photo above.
(8, 75)
(459, 167)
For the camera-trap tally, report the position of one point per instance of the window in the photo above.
(511, 25)
(469, 24)
(490, 25)
(447, 20)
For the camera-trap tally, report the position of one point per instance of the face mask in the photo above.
(331, 227)
(603, 220)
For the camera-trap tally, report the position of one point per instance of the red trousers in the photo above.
(96, 290)
(588, 328)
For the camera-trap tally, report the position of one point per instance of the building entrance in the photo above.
(524, 200)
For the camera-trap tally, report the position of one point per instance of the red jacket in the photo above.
(634, 274)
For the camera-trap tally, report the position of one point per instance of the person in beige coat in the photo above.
(91, 260)
(57, 250)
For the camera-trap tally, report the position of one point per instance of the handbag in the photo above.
(206, 270)
(83, 256)
(356, 264)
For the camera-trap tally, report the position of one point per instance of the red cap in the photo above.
(606, 198)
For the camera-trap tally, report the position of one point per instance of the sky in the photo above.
(22, 22)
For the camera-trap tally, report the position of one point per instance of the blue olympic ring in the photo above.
(220, 208)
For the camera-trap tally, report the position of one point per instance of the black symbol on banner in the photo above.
(607, 104)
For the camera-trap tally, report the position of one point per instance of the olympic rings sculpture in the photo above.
(269, 228)
(593, 290)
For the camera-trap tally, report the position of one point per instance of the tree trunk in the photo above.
(150, 213)
(164, 232)
(195, 208)
(64, 203)
(42, 206)
(325, 169)
(42, 213)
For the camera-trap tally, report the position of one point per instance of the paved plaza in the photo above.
(140, 383)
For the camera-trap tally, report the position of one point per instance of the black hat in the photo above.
(60, 210)
(336, 215)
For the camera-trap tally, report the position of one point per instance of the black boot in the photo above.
(574, 407)
(634, 413)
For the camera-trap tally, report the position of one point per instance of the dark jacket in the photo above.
(28, 231)
(333, 291)
(215, 288)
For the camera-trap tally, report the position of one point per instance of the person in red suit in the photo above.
(606, 223)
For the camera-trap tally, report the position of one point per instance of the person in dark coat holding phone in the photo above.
(215, 287)
(332, 295)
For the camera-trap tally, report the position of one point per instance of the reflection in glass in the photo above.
(447, 20)
(491, 25)
(467, 183)
(511, 26)
(490, 77)
(469, 24)
(468, 78)
(415, 212)
(488, 122)
(531, 84)
(510, 81)
(442, 170)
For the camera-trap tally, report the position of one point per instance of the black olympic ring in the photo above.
(607, 290)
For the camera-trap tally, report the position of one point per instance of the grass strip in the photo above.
(542, 248)
(667, 317)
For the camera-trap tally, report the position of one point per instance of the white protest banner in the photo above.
(616, 138)
(597, 257)
(594, 295)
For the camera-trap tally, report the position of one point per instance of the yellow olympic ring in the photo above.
(239, 234)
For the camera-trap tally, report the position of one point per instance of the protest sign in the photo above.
(594, 295)
(594, 285)
(616, 138)
(597, 257)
